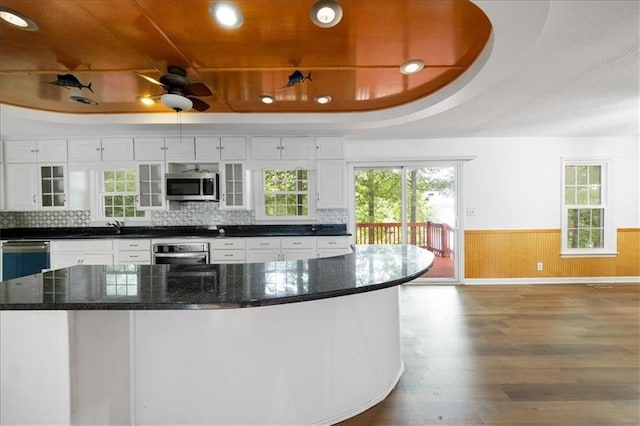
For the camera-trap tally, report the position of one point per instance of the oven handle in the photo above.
(203, 255)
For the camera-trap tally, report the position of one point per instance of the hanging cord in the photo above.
(179, 119)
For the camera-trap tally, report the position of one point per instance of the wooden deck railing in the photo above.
(437, 237)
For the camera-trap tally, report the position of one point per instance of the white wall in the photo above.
(514, 183)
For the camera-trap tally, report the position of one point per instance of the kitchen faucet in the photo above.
(116, 224)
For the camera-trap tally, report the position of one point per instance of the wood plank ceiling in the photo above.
(109, 42)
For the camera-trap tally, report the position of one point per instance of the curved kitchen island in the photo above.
(292, 342)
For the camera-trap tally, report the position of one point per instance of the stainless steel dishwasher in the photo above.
(20, 258)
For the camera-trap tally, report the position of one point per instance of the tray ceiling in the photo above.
(108, 43)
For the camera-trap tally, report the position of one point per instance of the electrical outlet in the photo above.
(540, 266)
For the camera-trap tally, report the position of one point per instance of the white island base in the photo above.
(304, 363)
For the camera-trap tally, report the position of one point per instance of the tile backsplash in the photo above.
(183, 214)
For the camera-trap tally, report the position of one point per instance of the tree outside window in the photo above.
(587, 225)
(119, 194)
(286, 193)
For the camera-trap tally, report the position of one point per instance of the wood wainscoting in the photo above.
(516, 253)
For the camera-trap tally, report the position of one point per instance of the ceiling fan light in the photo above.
(323, 99)
(412, 66)
(267, 99)
(146, 100)
(17, 19)
(177, 102)
(226, 14)
(326, 13)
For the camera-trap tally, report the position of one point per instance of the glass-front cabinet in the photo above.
(150, 186)
(232, 186)
(52, 193)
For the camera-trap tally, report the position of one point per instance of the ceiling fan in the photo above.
(182, 95)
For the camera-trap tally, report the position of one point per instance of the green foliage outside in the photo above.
(379, 191)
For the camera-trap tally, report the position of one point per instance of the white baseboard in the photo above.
(553, 280)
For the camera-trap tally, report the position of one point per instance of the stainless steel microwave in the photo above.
(192, 186)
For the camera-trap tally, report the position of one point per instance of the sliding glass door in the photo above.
(408, 204)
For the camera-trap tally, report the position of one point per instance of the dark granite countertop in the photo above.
(216, 286)
(173, 231)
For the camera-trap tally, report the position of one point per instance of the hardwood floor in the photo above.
(516, 355)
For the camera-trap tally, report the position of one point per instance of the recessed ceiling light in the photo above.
(226, 14)
(267, 99)
(326, 13)
(412, 66)
(323, 99)
(17, 19)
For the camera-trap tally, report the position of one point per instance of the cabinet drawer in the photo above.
(263, 243)
(81, 246)
(230, 243)
(298, 243)
(133, 245)
(332, 243)
(134, 257)
(228, 255)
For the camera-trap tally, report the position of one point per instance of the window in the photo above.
(119, 194)
(286, 193)
(587, 227)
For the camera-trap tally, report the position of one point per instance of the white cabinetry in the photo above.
(285, 148)
(266, 249)
(65, 253)
(106, 149)
(151, 186)
(233, 186)
(332, 246)
(329, 147)
(52, 151)
(330, 176)
(228, 250)
(294, 248)
(161, 149)
(32, 186)
(133, 251)
(22, 187)
(225, 148)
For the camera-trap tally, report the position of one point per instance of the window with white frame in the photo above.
(587, 219)
(285, 194)
(119, 194)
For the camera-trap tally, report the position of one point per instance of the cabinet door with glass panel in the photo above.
(232, 186)
(53, 191)
(150, 186)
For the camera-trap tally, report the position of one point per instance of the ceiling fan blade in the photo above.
(199, 104)
(150, 79)
(197, 89)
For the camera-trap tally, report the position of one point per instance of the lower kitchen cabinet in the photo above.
(132, 251)
(332, 246)
(228, 250)
(65, 253)
(285, 248)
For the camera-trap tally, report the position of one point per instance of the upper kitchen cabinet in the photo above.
(329, 147)
(285, 148)
(34, 186)
(225, 148)
(106, 149)
(330, 184)
(51, 151)
(161, 149)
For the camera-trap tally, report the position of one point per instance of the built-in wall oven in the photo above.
(186, 253)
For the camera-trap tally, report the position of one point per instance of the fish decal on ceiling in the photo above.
(69, 80)
(297, 77)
